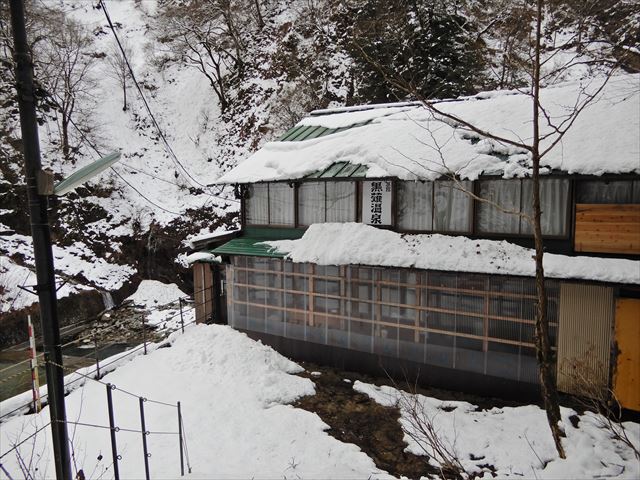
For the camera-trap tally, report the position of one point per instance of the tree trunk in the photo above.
(124, 96)
(259, 14)
(544, 352)
(65, 137)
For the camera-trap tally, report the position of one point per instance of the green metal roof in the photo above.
(250, 243)
(340, 170)
(307, 132)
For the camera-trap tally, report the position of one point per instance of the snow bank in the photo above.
(234, 394)
(356, 243)
(151, 293)
(409, 142)
(515, 440)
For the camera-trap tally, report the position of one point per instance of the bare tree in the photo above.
(118, 69)
(210, 35)
(62, 60)
(63, 68)
(546, 62)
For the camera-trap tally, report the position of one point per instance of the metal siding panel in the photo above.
(333, 170)
(584, 343)
(300, 133)
(349, 169)
(289, 133)
(308, 133)
(361, 171)
(317, 133)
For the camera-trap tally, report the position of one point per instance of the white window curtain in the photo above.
(415, 205)
(506, 195)
(554, 196)
(452, 209)
(341, 201)
(311, 198)
(257, 204)
(281, 206)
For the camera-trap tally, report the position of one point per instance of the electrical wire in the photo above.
(144, 100)
(100, 154)
(20, 290)
(25, 440)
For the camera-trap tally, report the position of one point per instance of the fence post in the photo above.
(181, 317)
(144, 438)
(95, 348)
(180, 440)
(33, 355)
(112, 427)
(144, 333)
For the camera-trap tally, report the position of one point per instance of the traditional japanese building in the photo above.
(385, 239)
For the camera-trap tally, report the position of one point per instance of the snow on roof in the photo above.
(202, 257)
(358, 244)
(345, 117)
(220, 232)
(406, 141)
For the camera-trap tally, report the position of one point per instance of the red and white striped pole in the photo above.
(33, 356)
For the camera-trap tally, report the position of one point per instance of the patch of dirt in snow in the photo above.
(355, 418)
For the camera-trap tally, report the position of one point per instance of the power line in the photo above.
(141, 194)
(144, 100)
(100, 154)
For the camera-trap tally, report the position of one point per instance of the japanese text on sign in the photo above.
(376, 202)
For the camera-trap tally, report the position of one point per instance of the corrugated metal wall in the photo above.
(584, 343)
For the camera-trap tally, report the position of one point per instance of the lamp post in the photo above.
(37, 191)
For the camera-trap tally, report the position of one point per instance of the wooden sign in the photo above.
(376, 202)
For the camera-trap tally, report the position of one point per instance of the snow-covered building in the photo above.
(367, 242)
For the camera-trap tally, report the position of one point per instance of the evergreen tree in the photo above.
(429, 44)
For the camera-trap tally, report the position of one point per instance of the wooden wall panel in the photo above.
(627, 378)
(202, 283)
(584, 338)
(607, 228)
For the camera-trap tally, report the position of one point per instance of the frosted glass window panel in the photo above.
(311, 198)
(341, 201)
(554, 197)
(281, 204)
(603, 191)
(506, 195)
(257, 204)
(415, 205)
(452, 207)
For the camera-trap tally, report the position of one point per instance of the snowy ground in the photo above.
(514, 440)
(235, 394)
(161, 304)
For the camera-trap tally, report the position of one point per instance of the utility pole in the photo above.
(46, 287)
